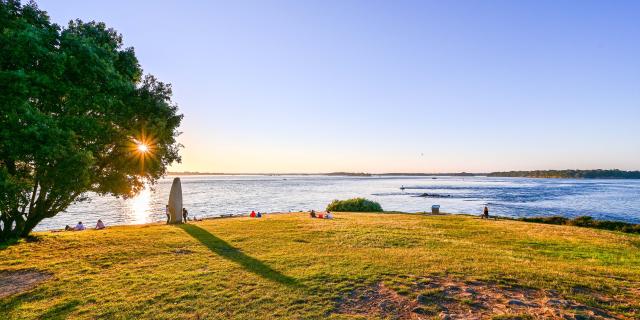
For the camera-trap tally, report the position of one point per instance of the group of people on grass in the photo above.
(80, 227)
(254, 214)
(312, 214)
(319, 215)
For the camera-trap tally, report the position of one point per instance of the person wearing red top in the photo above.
(253, 214)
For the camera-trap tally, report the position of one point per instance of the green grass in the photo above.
(291, 266)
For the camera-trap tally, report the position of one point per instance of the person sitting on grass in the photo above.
(320, 216)
(100, 225)
(79, 226)
(328, 215)
(68, 228)
(312, 214)
(253, 214)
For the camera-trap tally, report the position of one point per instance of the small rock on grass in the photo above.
(422, 298)
(515, 302)
(420, 310)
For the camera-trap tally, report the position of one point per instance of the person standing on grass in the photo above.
(166, 211)
(185, 213)
(485, 213)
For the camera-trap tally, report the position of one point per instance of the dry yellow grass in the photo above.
(291, 266)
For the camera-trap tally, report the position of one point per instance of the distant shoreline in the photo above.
(570, 174)
(339, 174)
(549, 174)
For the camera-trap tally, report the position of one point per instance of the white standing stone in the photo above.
(175, 202)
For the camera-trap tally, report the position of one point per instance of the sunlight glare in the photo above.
(143, 147)
(141, 206)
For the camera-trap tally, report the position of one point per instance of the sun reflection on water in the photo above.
(141, 206)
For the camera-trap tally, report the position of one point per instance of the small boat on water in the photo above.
(402, 188)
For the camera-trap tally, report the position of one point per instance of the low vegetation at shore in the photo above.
(355, 266)
(354, 205)
(587, 222)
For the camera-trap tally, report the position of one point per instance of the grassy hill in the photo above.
(402, 266)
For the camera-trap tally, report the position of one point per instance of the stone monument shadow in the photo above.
(229, 252)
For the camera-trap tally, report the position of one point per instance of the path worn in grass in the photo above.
(357, 265)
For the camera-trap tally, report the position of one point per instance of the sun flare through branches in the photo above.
(142, 147)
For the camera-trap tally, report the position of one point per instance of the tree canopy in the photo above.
(75, 107)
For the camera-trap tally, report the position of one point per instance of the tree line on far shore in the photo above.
(570, 174)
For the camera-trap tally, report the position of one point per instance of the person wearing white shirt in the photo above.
(79, 226)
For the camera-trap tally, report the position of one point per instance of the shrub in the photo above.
(354, 205)
(547, 220)
(587, 222)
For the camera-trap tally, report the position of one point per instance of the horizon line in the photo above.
(354, 173)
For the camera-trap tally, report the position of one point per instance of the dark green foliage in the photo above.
(354, 205)
(72, 101)
(587, 222)
(547, 220)
(572, 174)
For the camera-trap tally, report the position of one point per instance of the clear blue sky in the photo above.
(381, 86)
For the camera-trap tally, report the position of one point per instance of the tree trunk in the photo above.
(29, 225)
(6, 228)
(8, 231)
(17, 224)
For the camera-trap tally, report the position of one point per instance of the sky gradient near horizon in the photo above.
(390, 86)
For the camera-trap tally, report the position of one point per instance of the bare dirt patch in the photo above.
(378, 301)
(12, 282)
(449, 298)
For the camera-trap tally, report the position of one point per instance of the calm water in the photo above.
(206, 196)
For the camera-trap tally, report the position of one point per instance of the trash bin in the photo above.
(435, 208)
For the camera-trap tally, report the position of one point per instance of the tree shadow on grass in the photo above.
(61, 310)
(227, 251)
(9, 305)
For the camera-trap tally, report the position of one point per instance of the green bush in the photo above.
(354, 205)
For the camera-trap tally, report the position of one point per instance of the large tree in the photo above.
(77, 115)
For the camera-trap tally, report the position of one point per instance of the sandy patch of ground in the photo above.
(448, 298)
(13, 282)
